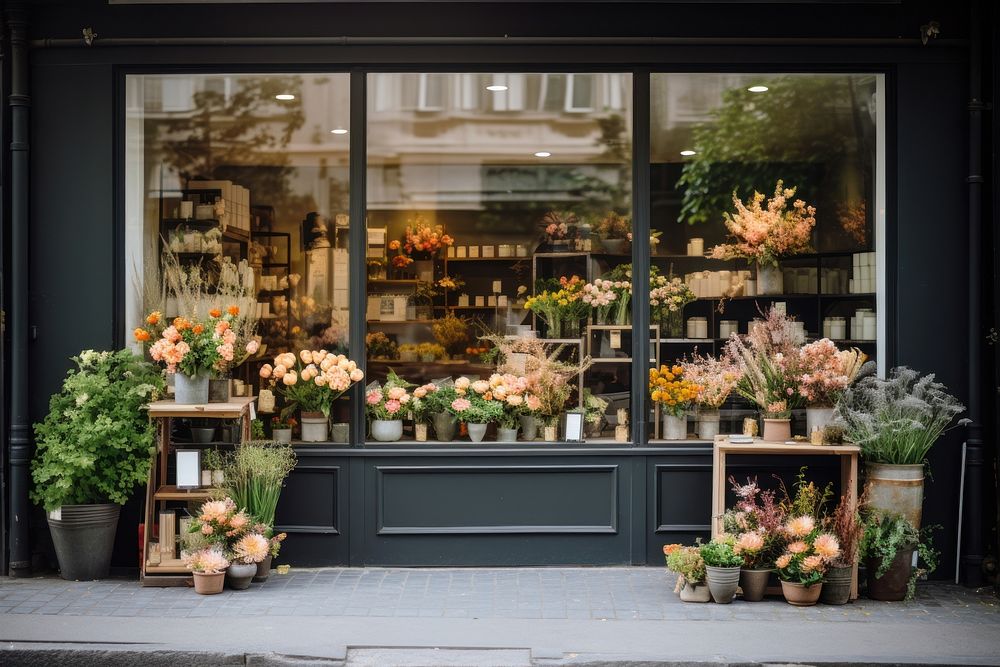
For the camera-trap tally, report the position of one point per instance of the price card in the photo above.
(616, 339)
(497, 286)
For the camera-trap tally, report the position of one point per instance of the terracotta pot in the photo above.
(263, 570)
(754, 584)
(722, 582)
(209, 584)
(891, 586)
(837, 586)
(695, 593)
(799, 595)
(777, 430)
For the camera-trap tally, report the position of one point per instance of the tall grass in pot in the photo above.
(254, 475)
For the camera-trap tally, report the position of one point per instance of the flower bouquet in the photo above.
(764, 235)
(510, 391)
(559, 229)
(601, 296)
(386, 406)
(824, 372)
(311, 383)
(477, 409)
(716, 378)
(667, 297)
(421, 408)
(675, 394)
(621, 284)
(561, 309)
(451, 332)
(422, 241)
(614, 230)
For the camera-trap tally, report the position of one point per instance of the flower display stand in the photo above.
(155, 570)
(847, 453)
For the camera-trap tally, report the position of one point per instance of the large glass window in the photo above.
(719, 136)
(237, 191)
(496, 202)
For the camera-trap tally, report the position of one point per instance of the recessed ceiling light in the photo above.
(689, 153)
(758, 89)
(284, 97)
(543, 154)
(338, 130)
(497, 87)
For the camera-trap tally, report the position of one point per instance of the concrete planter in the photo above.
(674, 428)
(506, 435)
(83, 537)
(477, 432)
(529, 427)
(282, 435)
(695, 593)
(444, 426)
(239, 575)
(722, 582)
(754, 584)
(708, 424)
(818, 418)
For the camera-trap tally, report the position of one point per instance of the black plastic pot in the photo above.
(84, 536)
(891, 586)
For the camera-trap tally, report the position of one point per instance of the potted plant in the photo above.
(845, 524)
(763, 235)
(508, 391)
(92, 449)
(477, 411)
(824, 372)
(254, 474)
(715, 379)
(896, 421)
(594, 408)
(209, 569)
(310, 383)
(766, 361)
(273, 548)
(667, 297)
(613, 230)
(687, 563)
(222, 524)
(887, 545)
(192, 350)
(722, 568)
(802, 565)
(438, 407)
(422, 242)
(380, 346)
(386, 405)
(559, 230)
(281, 428)
(451, 332)
(248, 552)
(420, 406)
(675, 394)
(560, 307)
(756, 520)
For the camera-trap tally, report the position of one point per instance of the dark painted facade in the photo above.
(548, 505)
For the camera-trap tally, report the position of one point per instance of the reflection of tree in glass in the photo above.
(811, 131)
(237, 136)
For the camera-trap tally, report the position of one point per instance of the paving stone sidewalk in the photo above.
(624, 593)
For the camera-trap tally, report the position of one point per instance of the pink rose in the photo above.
(460, 404)
(392, 406)
(374, 397)
(253, 346)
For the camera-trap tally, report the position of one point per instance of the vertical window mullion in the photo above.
(356, 244)
(640, 254)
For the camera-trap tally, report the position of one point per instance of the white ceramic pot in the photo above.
(674, 428)
(190, 390)
(282, 434)
(770, 279)
(315, 427)
(477, 432)
(708, 424)
(818, 418)
(385, 430)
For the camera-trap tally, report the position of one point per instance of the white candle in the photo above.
(697, 246)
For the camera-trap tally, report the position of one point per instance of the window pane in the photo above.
(714, 135)
(241, 177)
(504, 199)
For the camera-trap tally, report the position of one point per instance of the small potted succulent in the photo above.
(689, 566)
(208, 566)
(722, 568)
(281, 428)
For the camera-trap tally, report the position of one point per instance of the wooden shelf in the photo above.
(167, 569)
(234, 409)
(400, 322)
(488, 259)
(393, 281)
(171, 492)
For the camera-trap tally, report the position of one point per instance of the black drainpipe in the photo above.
(972, 558)
(20, 422)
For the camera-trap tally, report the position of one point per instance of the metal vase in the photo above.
(506, 435)
(444, 426)
(529, 427)
(897, 489)
(190, 390)
(837, 585)
(477, 432)
(754, 584)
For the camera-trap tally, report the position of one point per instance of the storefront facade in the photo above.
(485, 136)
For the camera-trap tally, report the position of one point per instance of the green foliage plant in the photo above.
(96, 444)
(687, 562)
(885, 534)
(719, 553)
(254, 474)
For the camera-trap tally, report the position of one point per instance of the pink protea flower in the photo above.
(800, 526)
(798, 547)
(751, 542)
(826, 546)
(811, 563)
(783, 561)
(251, 548)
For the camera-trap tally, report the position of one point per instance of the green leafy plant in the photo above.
(96, 444)
(254, 474)
(886, 534)
(898, 419)
(719, 553)
(257, 429)
(686, 562)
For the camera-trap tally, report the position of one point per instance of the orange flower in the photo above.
(141, 335)
(153, 318)
(181, 324)
(670, 548)
(215, 312)
(197, 329)
(233, 310)
(798, 547)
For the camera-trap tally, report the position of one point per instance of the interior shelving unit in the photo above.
(161, 494)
